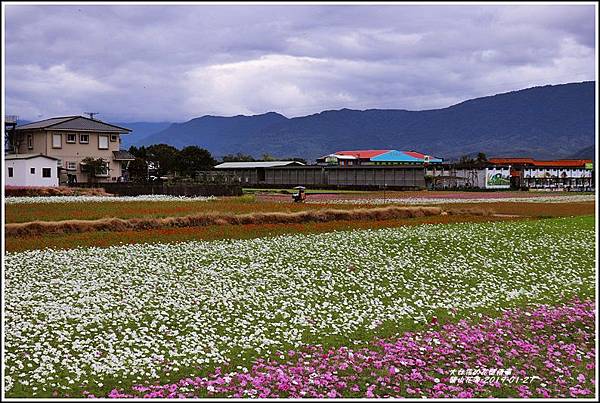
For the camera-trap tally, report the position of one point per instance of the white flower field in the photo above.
(97, 318)
(436, 200)
(101, 199)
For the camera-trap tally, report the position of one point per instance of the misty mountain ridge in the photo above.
(553, 121)
(139, 131)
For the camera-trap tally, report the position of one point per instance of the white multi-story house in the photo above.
(70, 140)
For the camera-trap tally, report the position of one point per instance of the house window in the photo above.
(10, 172)
(71, 138)
(102, 142)
(32, 171)
(114, 137)
(30, 141)
(57, 140)
(46, 172)
(71, 165)
(84, 138)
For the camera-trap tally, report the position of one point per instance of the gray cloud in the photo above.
(161, 62)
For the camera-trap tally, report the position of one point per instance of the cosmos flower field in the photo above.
(516, 355)
(102, 199)
(438, 200)
(386, 312)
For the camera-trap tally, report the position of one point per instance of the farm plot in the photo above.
(474, 199)
(27, 209)
(102, 318)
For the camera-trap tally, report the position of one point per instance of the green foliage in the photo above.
(193, 159)
(481, 157)
(138, 170)
(138, 152)
(164, 157)
(466, 161)
(93, 167)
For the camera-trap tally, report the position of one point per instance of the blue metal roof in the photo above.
(395, 156)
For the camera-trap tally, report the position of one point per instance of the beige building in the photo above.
(71, 139)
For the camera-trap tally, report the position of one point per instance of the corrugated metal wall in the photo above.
(335, 176)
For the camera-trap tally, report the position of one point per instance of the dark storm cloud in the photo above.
(160, 62)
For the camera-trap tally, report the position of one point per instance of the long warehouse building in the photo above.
(292, 173)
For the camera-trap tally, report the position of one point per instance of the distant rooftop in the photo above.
(362, 153)
(123, 155)
(257, 164)
(78, 123)
(539, 163)
(340, 157)
(386, 156)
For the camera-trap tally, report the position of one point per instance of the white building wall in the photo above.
(18, 168)
(458, 177)
(552, 172)
(22, 175)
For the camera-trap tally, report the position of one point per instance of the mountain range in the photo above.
(552, 121)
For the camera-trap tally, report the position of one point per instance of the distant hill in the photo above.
(140, 130)
(588, 153)
(220, 135)
(553, 121)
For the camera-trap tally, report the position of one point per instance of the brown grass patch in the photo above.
(529, 209)
(35, 191)
(137, 224)
(472, 211)
(215, 232)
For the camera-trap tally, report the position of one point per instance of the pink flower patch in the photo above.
(425, 363)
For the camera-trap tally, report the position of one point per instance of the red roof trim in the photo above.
(562, 163)
(531, 161)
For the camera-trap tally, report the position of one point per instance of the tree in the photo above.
(138, 170)
(193, 159)
(465, 160)
(93, 167)
(267, 157)
(238, 157)
(138, 152)
(164, 157)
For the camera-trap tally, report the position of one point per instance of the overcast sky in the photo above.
(173, 63)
